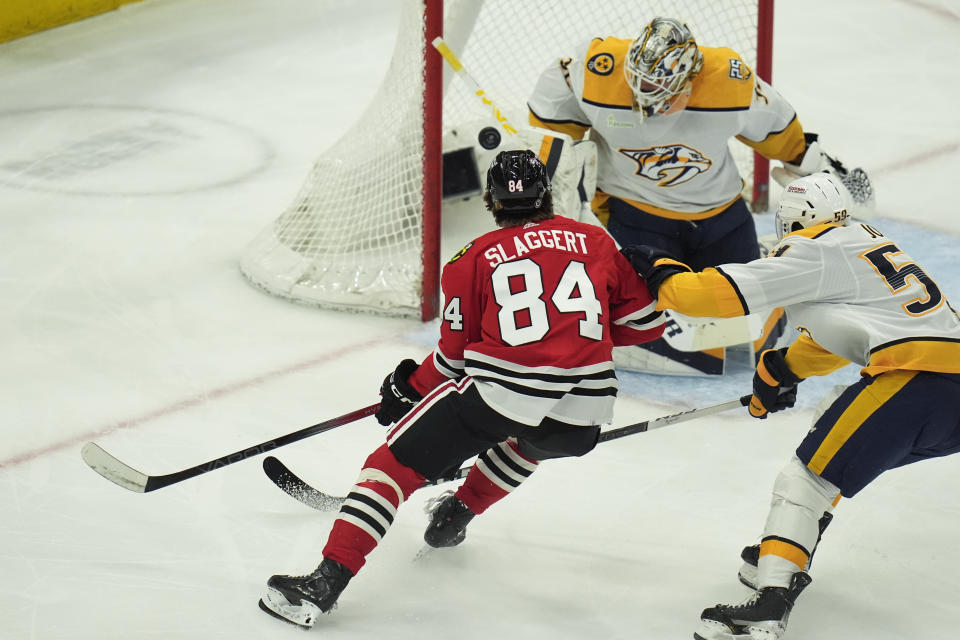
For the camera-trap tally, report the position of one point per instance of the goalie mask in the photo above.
(517, 180)
(660, 66)
(815, 199)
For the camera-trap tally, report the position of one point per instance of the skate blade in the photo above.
(712, 630)
(303, 615)
(715, 630)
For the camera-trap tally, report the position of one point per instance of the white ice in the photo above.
(142, 149)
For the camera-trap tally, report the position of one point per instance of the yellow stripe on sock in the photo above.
(784, 550)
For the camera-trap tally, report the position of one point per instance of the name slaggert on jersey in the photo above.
(539, 239)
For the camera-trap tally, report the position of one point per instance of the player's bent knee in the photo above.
(574, 442)
(799, 486)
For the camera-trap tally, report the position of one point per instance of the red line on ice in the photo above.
(918, 158)
(943, 12)
(194, 401)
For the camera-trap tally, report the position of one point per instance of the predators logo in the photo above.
(668, 165)
(601, 64)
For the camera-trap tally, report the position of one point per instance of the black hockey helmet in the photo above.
(517, 180)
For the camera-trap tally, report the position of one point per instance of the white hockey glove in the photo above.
(815, 160)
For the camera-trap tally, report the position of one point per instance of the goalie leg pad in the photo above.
(661, 358)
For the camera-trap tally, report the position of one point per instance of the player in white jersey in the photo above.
(856, 297)
(662, 111)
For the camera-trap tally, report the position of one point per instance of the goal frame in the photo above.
(366, 229)
(433, 152)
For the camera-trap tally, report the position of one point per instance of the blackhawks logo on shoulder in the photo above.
(460, 253)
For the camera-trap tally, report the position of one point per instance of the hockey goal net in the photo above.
(363, 233)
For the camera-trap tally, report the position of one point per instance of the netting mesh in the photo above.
(351, 239)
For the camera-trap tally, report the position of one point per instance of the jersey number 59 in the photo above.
(896, 276)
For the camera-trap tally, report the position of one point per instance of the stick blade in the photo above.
(112, 469)
(296, 488)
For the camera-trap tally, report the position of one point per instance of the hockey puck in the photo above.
(489, 138)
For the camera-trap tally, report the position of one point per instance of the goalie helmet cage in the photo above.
(363, 233)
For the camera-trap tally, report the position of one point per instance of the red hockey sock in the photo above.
(370, 508)
(498, 471)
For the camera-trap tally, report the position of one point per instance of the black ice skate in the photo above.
(448, 521)
(751, 556)
(301, 600)
(762, 617)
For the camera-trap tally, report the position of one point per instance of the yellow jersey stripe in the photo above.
(780, 145)
(675, 215)
(862, 407)
(714, 89)
(706, 294)
(573, 129)
(807, 358)
(608, 88)
(815, 231)
(941, 355)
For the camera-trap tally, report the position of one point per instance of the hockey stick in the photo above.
(122, 474)
(440, 45)
(300, 490)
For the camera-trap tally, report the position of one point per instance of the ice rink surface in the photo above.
(144, 148)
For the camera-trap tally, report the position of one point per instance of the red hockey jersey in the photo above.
(532, 313)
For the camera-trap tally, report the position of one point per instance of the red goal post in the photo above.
(364, 232)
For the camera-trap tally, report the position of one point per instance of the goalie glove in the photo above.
(774, 384)
(653, 265)
(397, 394)
(814, 160)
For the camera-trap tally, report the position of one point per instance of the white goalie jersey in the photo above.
(677, 166)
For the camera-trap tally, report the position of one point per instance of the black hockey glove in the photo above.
(397, 394)
(774, 384)
(653, 264)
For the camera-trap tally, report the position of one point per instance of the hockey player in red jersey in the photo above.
(523, 372)
(856, 297)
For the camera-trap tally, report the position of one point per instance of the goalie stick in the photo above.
(122, 474)
(297, 488)
(441, 46)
